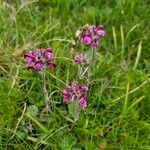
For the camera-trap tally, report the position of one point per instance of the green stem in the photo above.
(80, 71)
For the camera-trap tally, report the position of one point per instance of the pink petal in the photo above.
(83, 88)
(100, 30)
(86, 39)
(66, 94)
(83, 102)
(48, 53)
(94, 43)
(51, 65)
(38, 66)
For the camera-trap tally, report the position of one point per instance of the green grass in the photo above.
(117, 116)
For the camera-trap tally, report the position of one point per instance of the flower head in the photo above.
(75, 92)
(39, 58)
(80, 59)
(91, 34)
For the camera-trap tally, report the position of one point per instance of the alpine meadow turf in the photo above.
(118, 98)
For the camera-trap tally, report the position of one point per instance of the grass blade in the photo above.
(114, 37)
(138, 55)
(122, 39)
(136, 102)
(126, 97)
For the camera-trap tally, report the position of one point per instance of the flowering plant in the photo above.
(89, 35)
(40, 59)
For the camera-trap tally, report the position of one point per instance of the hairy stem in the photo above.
(77, 112)
(45, 93)
(91, 65)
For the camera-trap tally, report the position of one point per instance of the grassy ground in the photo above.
(117, 116)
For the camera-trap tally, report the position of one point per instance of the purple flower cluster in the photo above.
(40, 58)
(80, 59)
(91, 35)
(75, 92)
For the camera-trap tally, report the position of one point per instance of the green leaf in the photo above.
(67, 142)
(22, 133)
(32, 110)
(71, 107)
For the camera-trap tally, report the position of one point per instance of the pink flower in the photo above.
(80, 59)
(38, 65)
(51, 65)
(66, 94)
(74, 86)
(83, 88)
(48, 53)
(83, 102)
(95, 43)
(86, 39)
(99, 30)
(29, 57)
(39, 58)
